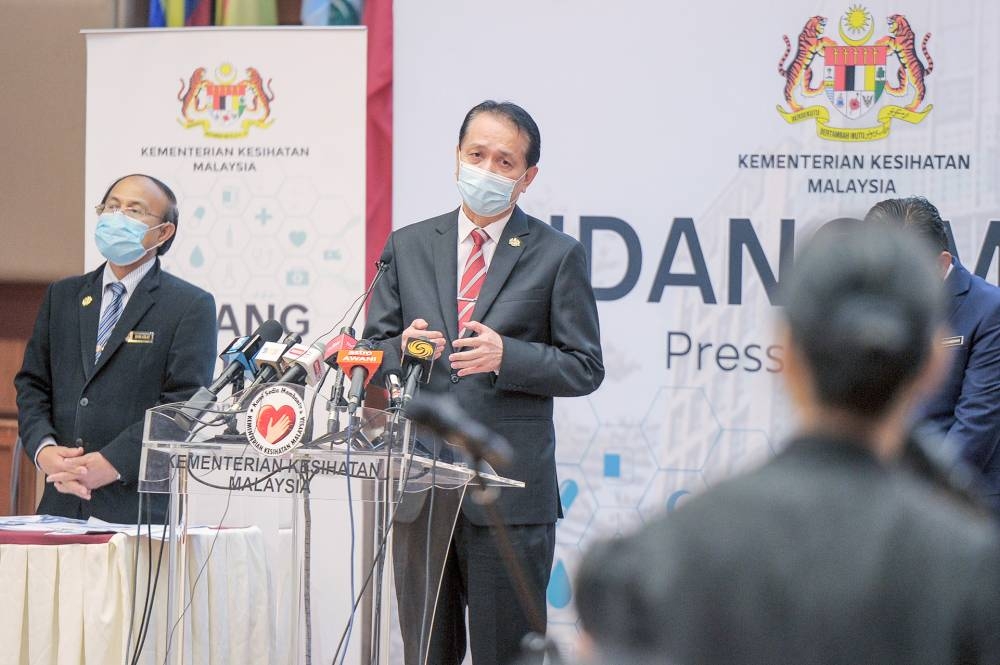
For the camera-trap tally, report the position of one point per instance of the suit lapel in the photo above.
(446, 271)
(505, 258)
(138, 304)
(89, 316)
(958, 284)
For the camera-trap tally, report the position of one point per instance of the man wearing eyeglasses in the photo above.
(106, 347)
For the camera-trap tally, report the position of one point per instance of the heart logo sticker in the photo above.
(275, 424)
(276, 420)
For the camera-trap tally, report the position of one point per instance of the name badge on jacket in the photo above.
(139, 337)
(957, 340)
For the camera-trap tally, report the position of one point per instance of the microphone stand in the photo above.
(535, 643)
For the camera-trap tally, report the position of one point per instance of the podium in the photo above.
(286, 444)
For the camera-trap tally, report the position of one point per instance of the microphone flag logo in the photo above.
(418, 347)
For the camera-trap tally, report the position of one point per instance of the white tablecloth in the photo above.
(69, 604)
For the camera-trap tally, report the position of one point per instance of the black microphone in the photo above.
(443, 415)
(238, 356)
(394, 386)
(417, 363)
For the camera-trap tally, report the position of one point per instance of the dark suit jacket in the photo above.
(60, 392)
(824, 556)
(537, 295)
(966, 408)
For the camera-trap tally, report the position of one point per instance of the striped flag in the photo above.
(179, 13)
(246, 12)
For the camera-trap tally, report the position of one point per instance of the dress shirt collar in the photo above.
(494, 229)
(129, 281)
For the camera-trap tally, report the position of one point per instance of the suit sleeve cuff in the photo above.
(47, 441)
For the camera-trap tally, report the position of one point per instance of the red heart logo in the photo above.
(267, 419)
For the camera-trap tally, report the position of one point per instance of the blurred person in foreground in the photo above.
(965, 409)
(832, 552)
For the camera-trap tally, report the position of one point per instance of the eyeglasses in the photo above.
(131, 212)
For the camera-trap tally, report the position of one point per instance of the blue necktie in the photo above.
(110, 317)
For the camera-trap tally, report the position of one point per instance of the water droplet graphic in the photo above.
(559, 592)
(674, 499)
(197, 258)
(568, 492)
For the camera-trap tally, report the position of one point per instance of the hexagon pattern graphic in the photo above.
(615, 475)
(280, 252)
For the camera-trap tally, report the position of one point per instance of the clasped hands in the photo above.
(475, 355)
(73, 472)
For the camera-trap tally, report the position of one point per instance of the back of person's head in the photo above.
(862, 307)
(618, 600)
(914, 213)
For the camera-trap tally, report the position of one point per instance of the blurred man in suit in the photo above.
(106, 347)
(830, 553)
(966, 408)
(510, 299)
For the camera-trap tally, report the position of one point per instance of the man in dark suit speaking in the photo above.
(509, 298)
(966, 407)
(107, 346)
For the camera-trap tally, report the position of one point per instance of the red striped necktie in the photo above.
(472, 279)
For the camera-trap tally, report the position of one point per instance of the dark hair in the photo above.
(515, 114)
(914, 213)
(171, 215)
(863, 307)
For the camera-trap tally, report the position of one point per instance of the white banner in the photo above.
(690, 167)
(261, 135)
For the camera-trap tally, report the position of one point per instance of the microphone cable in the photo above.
(378, 555)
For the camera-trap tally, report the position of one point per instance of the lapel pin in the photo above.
(86, 301)
(514, 242)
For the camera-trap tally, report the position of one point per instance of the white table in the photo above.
(66, 600)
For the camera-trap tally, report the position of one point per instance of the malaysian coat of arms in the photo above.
(856, 77)
(225, 107)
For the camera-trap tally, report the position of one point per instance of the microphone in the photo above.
(268, 360)
(238, 356)
(306, 365)
(417, 362)
(443, 415)
(344, 340)
(394, 386)
(360, 363)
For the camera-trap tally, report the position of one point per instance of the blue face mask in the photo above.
(119, 237)
(485, 192)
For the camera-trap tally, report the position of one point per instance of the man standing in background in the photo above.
(106, 347)
(966, 407)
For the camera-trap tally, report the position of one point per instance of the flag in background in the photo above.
(331, 12)
(246, 12)
(179, 13)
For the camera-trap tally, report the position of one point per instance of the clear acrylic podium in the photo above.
(370, 467)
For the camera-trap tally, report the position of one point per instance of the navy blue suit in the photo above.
(62, 393)
(966, 408)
